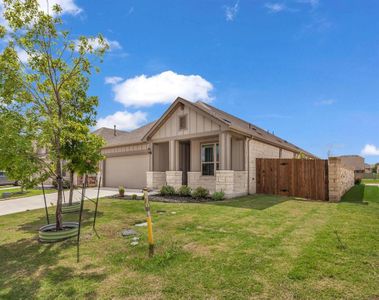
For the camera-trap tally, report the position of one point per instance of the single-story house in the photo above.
(192, 144)
(368, 168)
(354, 162)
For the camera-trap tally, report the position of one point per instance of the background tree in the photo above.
(19, 156)
(50, 90)
(82, 156)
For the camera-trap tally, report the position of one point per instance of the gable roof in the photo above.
(227, 121)
(108, 133)
(179, 101)
(131, 137)
(249, 129)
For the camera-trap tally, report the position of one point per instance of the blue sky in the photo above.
(306, 69)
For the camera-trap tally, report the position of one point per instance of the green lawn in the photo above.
(370, 180)
(26, 193)
(252, 247)
(6, 186)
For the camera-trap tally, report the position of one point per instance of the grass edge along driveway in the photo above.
(251, 247)
(26, 193)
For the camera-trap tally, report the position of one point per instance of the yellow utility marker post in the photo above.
(149, 223)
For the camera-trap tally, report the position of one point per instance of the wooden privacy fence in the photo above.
(304, 178)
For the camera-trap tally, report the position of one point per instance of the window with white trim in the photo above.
(209, 159)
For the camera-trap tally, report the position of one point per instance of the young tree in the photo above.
(82, 156)
(50, 89)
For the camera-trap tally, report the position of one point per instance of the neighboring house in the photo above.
(354, 162)
(4, 180)
(192, 144)
(368, 168)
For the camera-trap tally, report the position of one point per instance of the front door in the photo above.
(184, 160)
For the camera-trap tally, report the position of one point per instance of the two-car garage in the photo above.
(127, 171)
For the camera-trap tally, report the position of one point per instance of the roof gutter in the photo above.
(123, 144)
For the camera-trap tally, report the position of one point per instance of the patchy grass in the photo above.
(6, 186)
(16, 193)
(370, 180)
(252, 247)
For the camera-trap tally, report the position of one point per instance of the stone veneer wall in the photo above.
(174, 178)
(341, 179)
(155, 180)
(232, 183)
(240, 182)
(195, 180)
(225, 181)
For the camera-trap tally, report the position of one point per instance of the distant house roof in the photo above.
(354, 162)
(131, 137)
(108, 133)
(233, 123)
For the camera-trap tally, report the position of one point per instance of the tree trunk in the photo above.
(59, 173)
(58, 212)
(71, 187)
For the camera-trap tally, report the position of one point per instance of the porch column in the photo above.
(225, 146)
(173, 176)
(176, 156)
(150, 146)
(171, 155)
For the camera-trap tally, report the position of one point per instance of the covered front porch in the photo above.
(216, 162)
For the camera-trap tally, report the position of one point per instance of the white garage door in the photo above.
(127, 171)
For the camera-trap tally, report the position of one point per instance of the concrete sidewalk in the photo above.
(34, 202)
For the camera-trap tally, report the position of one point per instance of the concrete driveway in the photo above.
(34, 202)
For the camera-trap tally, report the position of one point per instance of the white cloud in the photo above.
(325, 102)
(3, 22)
(161, 88)
(112, 80)
(123, 120)
(95, 43)
(113, 45)
(319, 24)
(68, 6)
(275, 7)
(22, 55)
(312, 3)
(370, 150)
(131, 10)
(231, 11)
